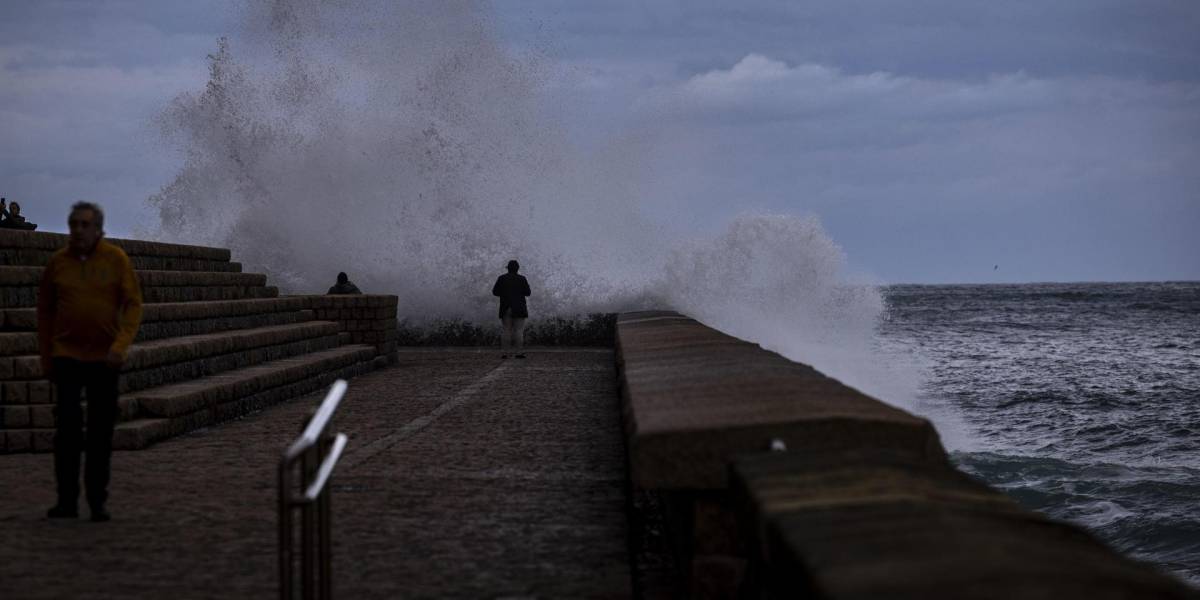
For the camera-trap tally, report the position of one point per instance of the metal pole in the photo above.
(285, 532)
(308, 530)
(325, 516)
(316, 513)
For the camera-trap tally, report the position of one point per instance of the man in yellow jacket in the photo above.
(89, 309)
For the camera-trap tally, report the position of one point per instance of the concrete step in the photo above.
(45, 241)
(23, 416)
(158, 362)
(195, 404)
(41, 416)
(207, 287)
(252, 349)
(170, 410)
(215, 343)
(32, 257)
(18, 343)
(11, 276)
(169, 329)
(25, 319)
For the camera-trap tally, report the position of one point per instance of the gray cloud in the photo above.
(934, 138)
(928, 38)
(81, 82)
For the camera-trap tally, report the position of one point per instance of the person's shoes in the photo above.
(62, 511)
(520, 356)
(99, 515)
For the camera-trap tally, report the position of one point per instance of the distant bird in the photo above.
(995, 267)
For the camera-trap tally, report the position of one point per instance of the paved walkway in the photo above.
(466, 476)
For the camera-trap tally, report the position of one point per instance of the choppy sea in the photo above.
(1081, 401)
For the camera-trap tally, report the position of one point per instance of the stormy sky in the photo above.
(937, 140)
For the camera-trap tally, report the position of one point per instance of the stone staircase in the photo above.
(215, 343)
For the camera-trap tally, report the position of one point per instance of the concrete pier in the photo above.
(467, 476)
(680, 462)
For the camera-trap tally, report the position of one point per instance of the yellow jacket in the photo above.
(88, 307)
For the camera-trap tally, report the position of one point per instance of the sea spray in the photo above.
(405, 144)
(781, 281)
(414, 153)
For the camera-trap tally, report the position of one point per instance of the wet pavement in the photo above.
(466, 476)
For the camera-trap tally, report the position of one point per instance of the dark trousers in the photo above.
(72, 377)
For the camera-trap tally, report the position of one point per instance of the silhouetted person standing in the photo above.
(89, 309)
(512, 290)
(343, 286)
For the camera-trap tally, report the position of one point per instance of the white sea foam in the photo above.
(403, 143)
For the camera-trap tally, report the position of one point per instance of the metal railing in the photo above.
(317, 453)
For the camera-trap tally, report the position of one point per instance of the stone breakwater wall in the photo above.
(766, 479)
(215, 343)
(367, 319)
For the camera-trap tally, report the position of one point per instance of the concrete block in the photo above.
(40, 392)
(18, 441)
(27, 367)
(15, 392)
(874, 523)
(936, 551)
(6, 368)
(18, 343)
(22, 318)
(696, 398)
(14, 417)
(127, 408)
(42, 416)
(20, 276)
(43, 440)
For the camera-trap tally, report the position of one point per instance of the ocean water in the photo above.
(1081, 401)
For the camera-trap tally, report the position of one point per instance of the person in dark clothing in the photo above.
(10, 216)
(88, 312)
(512, 290)
(343, 286)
